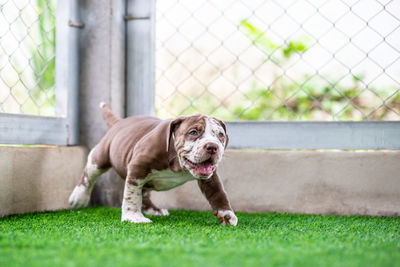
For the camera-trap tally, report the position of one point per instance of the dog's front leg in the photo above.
(213, 190)
(132, 202)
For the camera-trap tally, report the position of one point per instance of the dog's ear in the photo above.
(226, 134)
(173, 125)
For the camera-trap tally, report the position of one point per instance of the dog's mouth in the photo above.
(205, 168)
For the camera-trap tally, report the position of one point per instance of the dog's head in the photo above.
(199, 142)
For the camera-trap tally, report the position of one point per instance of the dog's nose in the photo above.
(211, 148)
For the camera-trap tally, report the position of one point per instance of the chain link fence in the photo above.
(27, 57)
(279, 60)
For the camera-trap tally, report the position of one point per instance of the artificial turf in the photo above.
(96, 237)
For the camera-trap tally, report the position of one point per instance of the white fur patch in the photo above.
(160, 180)
(80, 197)
(167, 179)
(92, 170)
(132, 203)
(194, 150)
(161, 212)
(135, 217)
(233, 220)
(213, 128)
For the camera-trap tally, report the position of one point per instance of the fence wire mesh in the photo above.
(279, 60)
(27, 57)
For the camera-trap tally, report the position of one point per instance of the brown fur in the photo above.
(136, 145)
(108, 116)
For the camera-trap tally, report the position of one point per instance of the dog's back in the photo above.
(123, 135)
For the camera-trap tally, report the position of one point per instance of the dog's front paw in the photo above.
(79, 197)
(136, 217)
(156, 212)
(226, 217)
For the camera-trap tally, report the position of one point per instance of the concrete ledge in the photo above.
(347, 183)
(364, 183)
(38, 178)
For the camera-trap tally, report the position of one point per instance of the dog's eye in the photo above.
(220, 135)
(193, 132)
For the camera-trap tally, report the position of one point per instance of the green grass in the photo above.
(96, 237)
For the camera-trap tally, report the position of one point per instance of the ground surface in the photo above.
(96, 237)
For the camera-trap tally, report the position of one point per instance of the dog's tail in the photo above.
(107, 115)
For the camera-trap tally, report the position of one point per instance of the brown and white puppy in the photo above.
(153, 154)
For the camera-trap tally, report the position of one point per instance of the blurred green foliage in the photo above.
(310, 97)
(35, 91)
(261, 40)
(43, 55)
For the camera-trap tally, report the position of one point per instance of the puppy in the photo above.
(153, 154)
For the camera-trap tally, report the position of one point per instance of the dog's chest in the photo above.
(166, 179)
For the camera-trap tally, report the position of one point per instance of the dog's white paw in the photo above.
(158, 212)
(136, 217)
(227, 217)
(79, 197)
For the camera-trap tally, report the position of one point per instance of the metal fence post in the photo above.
(73, 93)
(67, 67)
(140, 57)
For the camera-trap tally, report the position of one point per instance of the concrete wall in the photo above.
(38, 178)
(366, 183)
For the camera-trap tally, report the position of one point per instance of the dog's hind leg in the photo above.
(149, 208)
(94, 168)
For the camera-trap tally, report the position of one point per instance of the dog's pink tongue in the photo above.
(204, 169)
